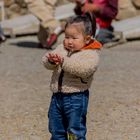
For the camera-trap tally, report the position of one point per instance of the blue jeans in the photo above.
(105, 35)
(67, 116)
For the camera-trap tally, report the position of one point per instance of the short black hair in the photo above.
(89, 21)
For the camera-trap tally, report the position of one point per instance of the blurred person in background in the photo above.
(105, 11)
(2, 36)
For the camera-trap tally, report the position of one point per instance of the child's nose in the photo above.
(70, 41)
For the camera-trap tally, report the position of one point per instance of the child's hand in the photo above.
(55, 58)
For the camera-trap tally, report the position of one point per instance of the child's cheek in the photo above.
(65, 43)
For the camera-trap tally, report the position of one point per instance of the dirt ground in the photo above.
(114, 108)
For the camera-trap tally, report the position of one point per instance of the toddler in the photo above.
(73, 64)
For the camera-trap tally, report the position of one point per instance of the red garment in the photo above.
(109, 10)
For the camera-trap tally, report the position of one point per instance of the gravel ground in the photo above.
(114, 108)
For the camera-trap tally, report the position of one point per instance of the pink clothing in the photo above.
(109, 10)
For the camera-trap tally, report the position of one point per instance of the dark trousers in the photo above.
(105, 35)
(67, 116)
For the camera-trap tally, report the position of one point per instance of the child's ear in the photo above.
(87, 39)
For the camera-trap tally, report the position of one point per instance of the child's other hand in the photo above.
(55, 58)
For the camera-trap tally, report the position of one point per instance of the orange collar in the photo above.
(94, 45)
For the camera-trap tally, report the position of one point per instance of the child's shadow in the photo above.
(27, 44)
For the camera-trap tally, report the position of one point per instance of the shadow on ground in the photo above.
(27, 44)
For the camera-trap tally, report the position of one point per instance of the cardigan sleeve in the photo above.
(47, 64)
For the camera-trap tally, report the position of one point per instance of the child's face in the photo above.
(74, 38)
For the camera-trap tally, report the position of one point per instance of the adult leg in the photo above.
(105, 35)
